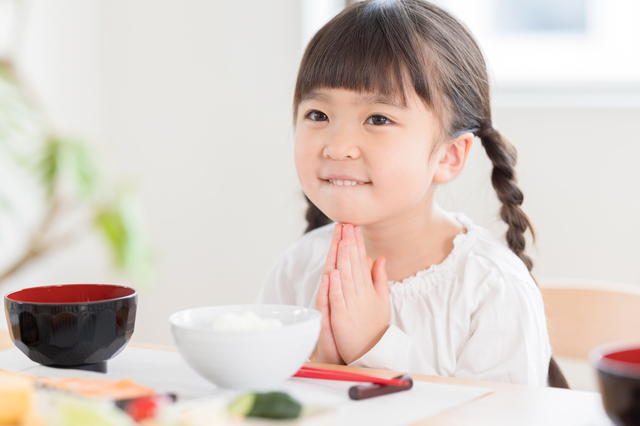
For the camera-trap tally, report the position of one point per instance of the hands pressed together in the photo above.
(353, 298)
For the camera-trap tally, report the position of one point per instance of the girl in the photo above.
(389, 97)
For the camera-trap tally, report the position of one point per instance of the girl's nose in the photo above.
(340, 145)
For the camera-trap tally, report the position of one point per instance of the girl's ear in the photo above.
(453, 158)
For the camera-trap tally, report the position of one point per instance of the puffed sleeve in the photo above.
(295, 276)
(277, 288)
(395, 351)
(508, 340)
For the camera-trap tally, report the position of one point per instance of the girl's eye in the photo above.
(378, 120)
(317, 116)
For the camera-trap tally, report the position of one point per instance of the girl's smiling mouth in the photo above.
(337, 182)
(343, 180)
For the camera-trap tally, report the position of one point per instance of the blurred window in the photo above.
(518, 16)
(314, 14)
(543, 52)
(558, 51)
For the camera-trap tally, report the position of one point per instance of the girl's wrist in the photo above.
(317, 357)
(366, 348)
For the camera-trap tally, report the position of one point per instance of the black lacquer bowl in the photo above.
(618, 366)
(72, 326)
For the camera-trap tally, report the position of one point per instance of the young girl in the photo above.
(389, 97)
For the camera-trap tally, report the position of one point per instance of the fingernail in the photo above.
(358, 230)
(351, 230)
(336, 274)
(324, 279)
(346, 245)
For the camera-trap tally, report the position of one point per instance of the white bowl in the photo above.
(246, 359)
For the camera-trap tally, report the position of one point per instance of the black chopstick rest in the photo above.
(368, 391)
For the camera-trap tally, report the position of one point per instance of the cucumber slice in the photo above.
(242, 405)
(271, 405)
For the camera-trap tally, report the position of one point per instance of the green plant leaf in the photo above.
(121, 224)
(68, 164)
(84, 169)
(110, 222)
(68, 172)
(48, 167)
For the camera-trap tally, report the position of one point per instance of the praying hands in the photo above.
(353, 298)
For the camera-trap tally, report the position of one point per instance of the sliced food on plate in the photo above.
(27, 400)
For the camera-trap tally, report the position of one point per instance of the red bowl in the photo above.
(618, 366)
(72, 325)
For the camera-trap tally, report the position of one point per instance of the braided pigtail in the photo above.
(503, 156)
(315, 217)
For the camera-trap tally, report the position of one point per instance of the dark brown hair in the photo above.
(387, 46)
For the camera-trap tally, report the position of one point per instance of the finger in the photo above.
(322, 297)
(330, 262)
(336, 295)
(322, 305)
(370, 263)
(337, 232)
(365, 267)
(344, 266)
(380, 279)
(354, 260)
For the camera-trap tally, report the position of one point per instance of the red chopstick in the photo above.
(326, 374)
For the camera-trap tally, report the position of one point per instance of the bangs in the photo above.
(370, 47)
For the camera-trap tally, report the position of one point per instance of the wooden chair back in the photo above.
(583, 315)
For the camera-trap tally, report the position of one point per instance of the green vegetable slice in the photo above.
(242, 405)
(271, 405)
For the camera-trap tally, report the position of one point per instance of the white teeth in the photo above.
(345, 182)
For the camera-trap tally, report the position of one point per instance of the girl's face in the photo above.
(362, 158)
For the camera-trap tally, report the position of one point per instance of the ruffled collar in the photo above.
(460, 244)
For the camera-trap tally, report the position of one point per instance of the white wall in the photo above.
(191, 102)
(579, 173)
(200, 96)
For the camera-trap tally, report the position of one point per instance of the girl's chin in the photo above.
(343, 207)
(341, 216)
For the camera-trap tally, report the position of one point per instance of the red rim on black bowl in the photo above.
(72, 325)
(618, 366)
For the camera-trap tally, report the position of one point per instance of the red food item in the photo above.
(143, 408)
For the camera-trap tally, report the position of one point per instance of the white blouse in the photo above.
(477, 315)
